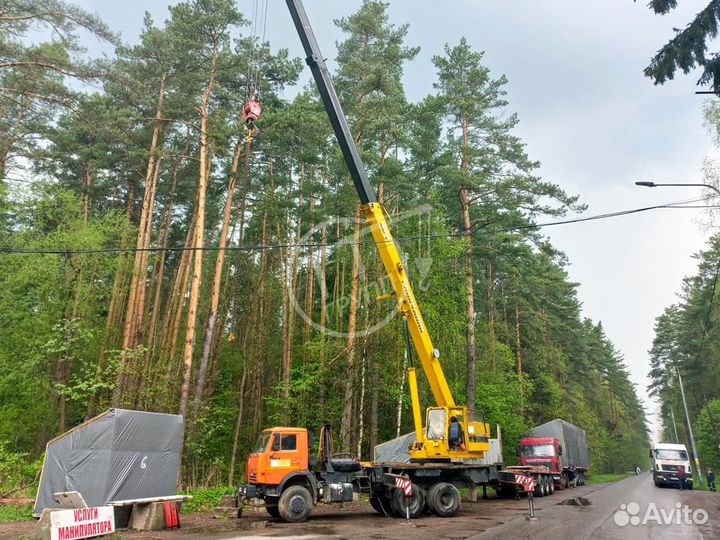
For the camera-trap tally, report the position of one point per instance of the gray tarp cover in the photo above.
(572, 439)
(118, 455)
(395, 450)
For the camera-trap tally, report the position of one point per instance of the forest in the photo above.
(156, 254)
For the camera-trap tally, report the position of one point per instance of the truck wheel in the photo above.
(295, 504)
(539, 487)
(381, 505)
(444, 499)
(551, 484)
(412, 505)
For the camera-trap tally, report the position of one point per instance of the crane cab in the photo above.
(451, 433)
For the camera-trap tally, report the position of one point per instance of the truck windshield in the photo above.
(680, 455)
(262, 442)
(539, 450)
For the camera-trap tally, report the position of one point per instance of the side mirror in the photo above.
(651, 453)
(560, 450)
(311, 439)
(276, 443)
(519, 451)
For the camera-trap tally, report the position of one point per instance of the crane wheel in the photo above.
(295, 504)
(381, 505)
(413, 505)
(444, 499)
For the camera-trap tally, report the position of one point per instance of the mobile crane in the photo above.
(450, 449)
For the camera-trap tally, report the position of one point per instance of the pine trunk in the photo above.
(470, 299)
(238, 425)
(217, 282)
(199, 239)
(159, 273)
(130, 337)
(518, 349)
(469, 280)
(349, 396)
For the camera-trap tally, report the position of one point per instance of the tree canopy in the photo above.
(688, 49)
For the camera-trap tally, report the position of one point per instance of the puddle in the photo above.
(320, 530)
(576, 501)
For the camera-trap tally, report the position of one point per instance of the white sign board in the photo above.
(82, 523)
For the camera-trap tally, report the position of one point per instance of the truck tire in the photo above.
(551, 484)
(295, 504)
(412, 505)
(539, 487)
(381, 505)
(443, 499)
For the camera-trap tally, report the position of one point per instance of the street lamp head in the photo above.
(645, 184)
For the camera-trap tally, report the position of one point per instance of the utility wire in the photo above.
(262, 247)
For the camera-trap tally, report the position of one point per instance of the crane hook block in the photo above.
(252, 111)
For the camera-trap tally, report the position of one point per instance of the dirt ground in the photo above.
(710, 502)
(351, 520)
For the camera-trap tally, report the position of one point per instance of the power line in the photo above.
(263, 247)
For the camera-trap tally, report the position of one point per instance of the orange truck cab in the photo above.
(279, 452)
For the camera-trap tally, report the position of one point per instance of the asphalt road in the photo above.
(629, 509)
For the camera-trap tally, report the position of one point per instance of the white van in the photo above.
(667, 458)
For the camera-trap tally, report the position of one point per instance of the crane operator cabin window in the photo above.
(436, 421)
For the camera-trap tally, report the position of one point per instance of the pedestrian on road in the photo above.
(572, 474)
(681, 477)
(711, 479)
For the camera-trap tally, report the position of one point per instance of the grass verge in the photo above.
(205, 500)
(603, 478)
(15, 512)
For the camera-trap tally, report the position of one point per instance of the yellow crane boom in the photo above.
(440, 439)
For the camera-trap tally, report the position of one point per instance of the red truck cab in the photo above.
(538, 451)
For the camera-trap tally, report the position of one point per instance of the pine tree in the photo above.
(689, 48)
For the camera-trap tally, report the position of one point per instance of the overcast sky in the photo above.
(586, 112)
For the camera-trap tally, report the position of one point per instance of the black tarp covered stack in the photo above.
(118, 455)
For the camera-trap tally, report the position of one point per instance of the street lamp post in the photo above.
(672, 414)
(689, 426)
(682, 389)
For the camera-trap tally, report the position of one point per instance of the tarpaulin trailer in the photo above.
(572, 438)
